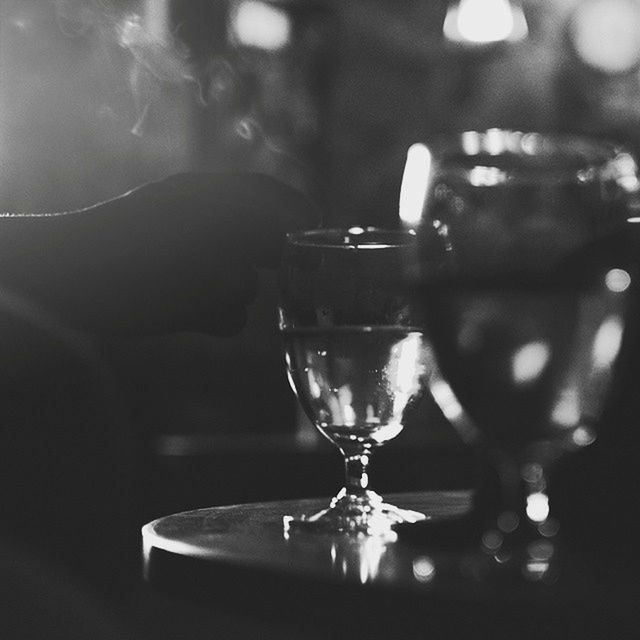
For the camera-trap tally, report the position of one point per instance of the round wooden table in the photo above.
(241, 558)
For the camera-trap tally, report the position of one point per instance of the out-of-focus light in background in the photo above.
(477, 22)
(606, 34)
(261, 25)
(415, 184)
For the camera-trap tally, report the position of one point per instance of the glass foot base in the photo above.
(365, 514)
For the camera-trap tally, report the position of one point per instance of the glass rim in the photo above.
(558, 156)
(352, 238)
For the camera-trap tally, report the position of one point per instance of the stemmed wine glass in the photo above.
(528, 321)
(356, 357)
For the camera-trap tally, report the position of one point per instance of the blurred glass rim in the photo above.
(352, 238)
(496, 156)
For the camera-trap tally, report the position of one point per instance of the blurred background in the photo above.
(98, 96)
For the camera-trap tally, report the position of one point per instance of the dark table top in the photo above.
(240, 557)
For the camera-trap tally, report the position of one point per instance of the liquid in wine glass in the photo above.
(356, 358)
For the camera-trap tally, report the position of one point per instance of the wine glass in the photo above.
(356, 357)
(528, 322)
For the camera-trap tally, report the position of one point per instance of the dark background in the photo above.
(98, 97)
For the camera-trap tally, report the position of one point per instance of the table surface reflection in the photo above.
(241, 554)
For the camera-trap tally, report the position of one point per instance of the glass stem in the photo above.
(356, 465)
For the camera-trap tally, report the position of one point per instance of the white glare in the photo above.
(314, 387)
(470, 141)
(617, 280)
(446, 400)
(423, 569)
(583, 437)
(494, 142)
(408, 362)
(566, 413)
(415, 184)
(345, 399)
(356, 231)
(405, 370)
(529, 361)
(607, 342)
(486, 176)
(537, 507)
(261, 25)
(484, 21)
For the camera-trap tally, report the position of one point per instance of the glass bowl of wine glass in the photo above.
(527, 322)
(356, 357)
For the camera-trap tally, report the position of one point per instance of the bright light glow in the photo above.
(607, 342)
(529, 361)
(335, 411)
(314, 387)
(536, 569)
(356, 231)
(531, 142)
(130, 30)
(360, 557)
(391, 430)
(261, 25)
(349, 415)
(494, 142)
(537, 507)
(478, 22)
(486, 176)
(406, 369)
(583, 437)
(156, 18)
(423, 569)
(345, 398)
(617, 280)
(292, 384)
(409, 363)
(415, 184)
(470, 141)
(371, 418)
(606, 34)
(446, 400)
(626, 170)
(566, 413)
(370, 552)
(630, 184)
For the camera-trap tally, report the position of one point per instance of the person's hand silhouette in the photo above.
(177, 254)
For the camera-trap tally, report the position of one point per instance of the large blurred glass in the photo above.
(528, 319)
